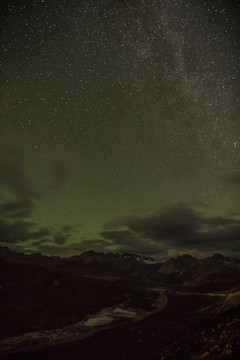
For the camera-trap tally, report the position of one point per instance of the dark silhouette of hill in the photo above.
(34, 297)
(201, 319)
(185, 269)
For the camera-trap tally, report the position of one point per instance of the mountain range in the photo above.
(185, 269)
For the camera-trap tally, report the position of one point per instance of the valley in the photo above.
(111, 316)
(110, 306)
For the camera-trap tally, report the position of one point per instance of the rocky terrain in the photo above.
(201, 319)
(34, 297)
(183, 269)
(190, 327)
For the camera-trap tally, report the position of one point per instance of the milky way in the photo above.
(119, 109)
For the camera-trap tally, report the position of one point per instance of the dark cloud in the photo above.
(231, 177)
(38, 243)
(179, 227)
(122, 239)
(178, 220)
(41, 232)
(92, 244)
(123, 236)
(20, 231)
(50, 249)
(12, 168)
(67, 228)
(14, 162)
(119, 222)
(60, 239)
(17, 208)
(63, 235)
(127, 241)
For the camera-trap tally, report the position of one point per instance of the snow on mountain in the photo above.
(141, 257)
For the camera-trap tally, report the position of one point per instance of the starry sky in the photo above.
(120, 126)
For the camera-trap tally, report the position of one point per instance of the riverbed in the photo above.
(104, 319)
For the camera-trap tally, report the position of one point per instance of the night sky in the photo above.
(120, 126)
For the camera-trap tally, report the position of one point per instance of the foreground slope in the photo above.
(201, 319)
(35, 298)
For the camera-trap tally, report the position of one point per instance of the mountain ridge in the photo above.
(184, 269)
(8, 253)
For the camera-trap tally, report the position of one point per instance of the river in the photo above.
(104, 319)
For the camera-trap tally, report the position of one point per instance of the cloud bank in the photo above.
(179, 227)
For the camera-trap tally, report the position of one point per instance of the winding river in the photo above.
(104, 319)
